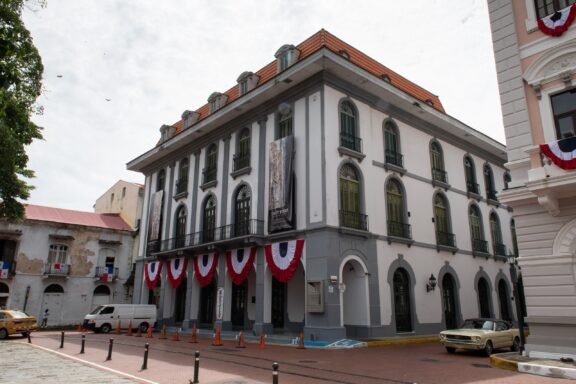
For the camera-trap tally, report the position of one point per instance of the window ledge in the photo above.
(481, 254)
(441, 184)
(210, 184)
(493, 202)
(472, 195)
(447, 248)
(352, 153)
(241, 171)
(181, 195)
(355, 232)
(501, 258)
(394, 168)
(401, 240)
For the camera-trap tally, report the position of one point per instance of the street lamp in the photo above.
(519, 314)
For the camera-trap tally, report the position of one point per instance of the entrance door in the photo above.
(101, 296)
(207, 304)
(503, 298)
(449, 301)
(402, 301)
(52, 300)
(484, 298)
(4, 293)
(278, 303)
(239, 304)
(180, 301)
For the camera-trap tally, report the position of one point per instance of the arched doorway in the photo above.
(4, 293)
(278, 303)
(180, 301)
(484, 298)
(53, 300)
(403, 313)
(504, 299)
(239, 303)
(101, 296)
(355, 309)
(207, 304)
(449, 302)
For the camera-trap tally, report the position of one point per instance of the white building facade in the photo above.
(535, 51)
(393, 202)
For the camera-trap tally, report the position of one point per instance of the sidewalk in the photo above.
(512, 361)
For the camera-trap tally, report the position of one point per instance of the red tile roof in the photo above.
(324, 39)
(67, 216)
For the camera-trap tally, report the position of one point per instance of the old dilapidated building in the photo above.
(65, 261)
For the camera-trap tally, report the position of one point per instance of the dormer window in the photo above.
(286, 56)
(216, 101)
(166, 132)
(247, 81)
(189, 118)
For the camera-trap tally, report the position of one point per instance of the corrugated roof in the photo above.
(324, 39)
(67, 216)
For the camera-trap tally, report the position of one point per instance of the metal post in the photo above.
(28, 336)
(275, 373)
(519, 315)
(145, 363)
(196, 366)
(110, 350)
(62, 340)
(83, 344)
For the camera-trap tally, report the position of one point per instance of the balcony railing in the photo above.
(153, 247)
(209, 175)
(110, 272)
(399, 229)
(500, 249)
(353, 220)
(479, 245)
(241, 161)
(491, 195)
(227, 232)
(182, 185)
(446, 239)
(394, 158)
(439, 175)
(57, 269)
(472, 187)
(351, 142)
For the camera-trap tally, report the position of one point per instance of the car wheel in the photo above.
(450, 349)
(488, 348)
(144, 327)
(515, 345)
(105, 328)
(3, 333)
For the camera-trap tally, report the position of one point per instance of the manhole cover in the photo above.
(481, 365)
(308, 361)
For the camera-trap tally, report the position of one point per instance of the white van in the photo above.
(105, 317)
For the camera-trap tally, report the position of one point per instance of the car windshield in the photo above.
(96, 310)
(18, 314)
(486, 325)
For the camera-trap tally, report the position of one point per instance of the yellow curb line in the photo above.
(501, 363)
(378, 343)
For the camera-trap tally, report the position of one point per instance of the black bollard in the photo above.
(62, 340)
(110, 350)
(28, 336)
(196, 366)
(275, 373)
(83, 344)
(145, 363)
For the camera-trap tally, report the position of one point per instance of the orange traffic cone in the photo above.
(129, 333)
(138, 332)
(149, 334)
(176, 336)
(261, 344)
(217, 340)
(301, 341)
(194, 337)
(241, 340)
(118, 331)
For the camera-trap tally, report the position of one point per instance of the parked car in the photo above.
(106, 317)
(481, 334)
(14, 321)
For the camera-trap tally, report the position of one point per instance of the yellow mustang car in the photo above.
(481, 334)
(13, 321)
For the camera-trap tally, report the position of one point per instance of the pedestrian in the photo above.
(45, 318)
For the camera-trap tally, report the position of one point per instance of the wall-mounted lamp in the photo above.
(431, 285)
(333, 279)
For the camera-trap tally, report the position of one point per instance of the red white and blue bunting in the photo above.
(283, 258)
(152, 271)
(239, 263)
(557, 23)
(204, 267)
(561, 152)
(4, 269)
(176, 270)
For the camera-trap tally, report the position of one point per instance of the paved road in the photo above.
(172, 362)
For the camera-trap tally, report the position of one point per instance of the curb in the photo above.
(499, 362)
(419, 340)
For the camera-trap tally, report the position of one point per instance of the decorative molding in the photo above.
(550, 203)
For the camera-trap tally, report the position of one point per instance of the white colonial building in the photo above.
(327, 194)
(535, 51)
(65, 261)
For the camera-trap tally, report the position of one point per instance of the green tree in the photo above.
(20, 85)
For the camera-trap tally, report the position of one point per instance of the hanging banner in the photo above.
(561, 152)
(108, 275)
(557, 23)
(155, 221)
(204, 267)
(4, 269)
(283, 258)
(239, 262)
(152, 271)
(176, 270)
(280, 207)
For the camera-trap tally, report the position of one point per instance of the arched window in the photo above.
(476, 230)
(396, 210)
(181, 218)
(211, 164)
(470, 173)
(350, 210)
(161, 180)
(242, 211)
(242, 157)
(402, 306)
(284, 120)
(349, 127)
(209, 220)
(437, 161)
(54, 288)
(444, 235)
(514, 238)
(496, 232)
(484, 298)
(504, 299)
(102, 290)
(182, 183)
(489, 182)
(392, 152)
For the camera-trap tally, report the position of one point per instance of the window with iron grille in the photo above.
(285, 124)
(209, 220)
(442, 223)
(242, 158)
(161, 180)
(392, 153)
(182, 183)
(181, 219)
(57, 254)
(489, 182)
(211, 163)
(396, 209)
(549, 7)
(242, 211)
(470, 174)
(348, 126)
(437, 160)
(564, 107)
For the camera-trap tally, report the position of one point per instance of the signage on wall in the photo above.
(280, 196)
(220, 303)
